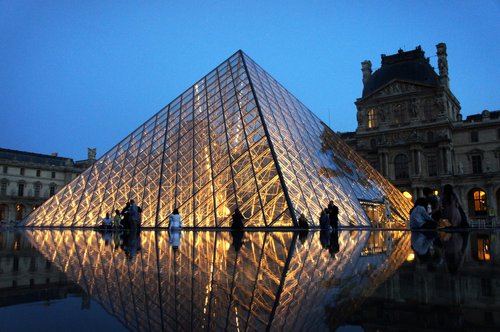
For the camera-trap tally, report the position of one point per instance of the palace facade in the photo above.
(411, 130)
(27, 179)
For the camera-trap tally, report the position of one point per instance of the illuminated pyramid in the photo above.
(235, 139)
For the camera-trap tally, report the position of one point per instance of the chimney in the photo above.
(91, 153)
(443, 64)
(366, 68)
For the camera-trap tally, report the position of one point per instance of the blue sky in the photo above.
(78, 74)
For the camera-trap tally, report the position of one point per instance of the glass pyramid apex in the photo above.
(235, 139)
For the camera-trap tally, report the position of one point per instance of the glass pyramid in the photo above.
(235, 139)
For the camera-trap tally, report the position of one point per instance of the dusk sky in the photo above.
(78, 74)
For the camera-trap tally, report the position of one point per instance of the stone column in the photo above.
(443, 64)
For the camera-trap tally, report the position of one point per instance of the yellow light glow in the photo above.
(407, 195)
(411, 257)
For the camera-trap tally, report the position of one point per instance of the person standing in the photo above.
(237, 220)
(333, 214)
(107, 222)
(303, 224)
(117, 220)
(451, 208)
(324, 219)
(133, 215)
(175, 222)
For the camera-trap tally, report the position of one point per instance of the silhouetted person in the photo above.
(237, 222)
(452, 209)
(333, 214)
(433, 204)
(324, 219)
(133, 216)
(125, 215)
(303, 224)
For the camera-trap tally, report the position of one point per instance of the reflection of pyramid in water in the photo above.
(273, 282)
(235, 139)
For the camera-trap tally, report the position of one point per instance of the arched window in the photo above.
(401, 167)
(478, 202)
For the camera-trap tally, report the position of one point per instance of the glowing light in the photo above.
(407, 195)
(411, 257)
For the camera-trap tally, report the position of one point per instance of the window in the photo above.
(21, 171)
(52, 190)
(3, 212)
(474, 136)
(5, 169)
(38, 172)
(20, 189)
(401, 167)
(38, 187)
(483, 247)
(19, 211)
(53, 175)
(432, 165)
(372, 118)
(476, 164)
(430, 136)
(480, 205)
(3, 187)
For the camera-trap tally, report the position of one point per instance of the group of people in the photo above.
(130, 217)
(328, 219)
(432, 211)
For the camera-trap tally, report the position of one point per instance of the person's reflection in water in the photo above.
(303, 234)
(334, 243)
(131, 244)
(424, 246)
(237, 236)
(454, 245)
(324, 238)
(175, 236)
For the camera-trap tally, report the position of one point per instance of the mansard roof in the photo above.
(33, 158)
(411, 66)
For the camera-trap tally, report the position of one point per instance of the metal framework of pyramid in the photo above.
(235, 139)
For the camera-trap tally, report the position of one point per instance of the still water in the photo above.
(351, 280)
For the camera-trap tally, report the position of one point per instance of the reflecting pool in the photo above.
(350, 280)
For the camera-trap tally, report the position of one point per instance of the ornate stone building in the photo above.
(27, 179)
(410, 129)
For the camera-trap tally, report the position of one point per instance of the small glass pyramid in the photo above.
(235, 139)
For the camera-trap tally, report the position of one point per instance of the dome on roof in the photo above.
(409, 66)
